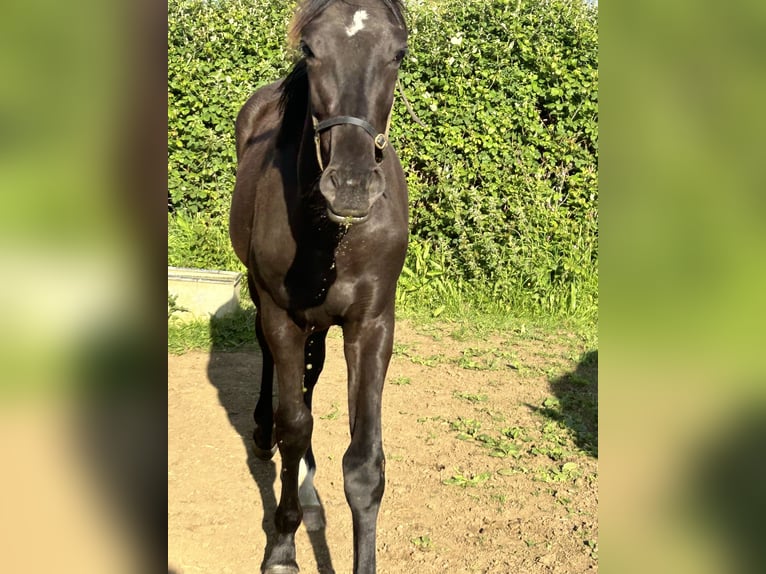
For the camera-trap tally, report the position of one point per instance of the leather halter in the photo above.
(380, 139)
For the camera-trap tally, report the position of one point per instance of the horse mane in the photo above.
(293, 101)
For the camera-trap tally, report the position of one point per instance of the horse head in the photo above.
(352, 54)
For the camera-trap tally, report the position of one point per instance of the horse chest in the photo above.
(320, 285)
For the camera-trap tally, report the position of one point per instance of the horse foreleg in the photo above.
(293, 423)
(368, 347)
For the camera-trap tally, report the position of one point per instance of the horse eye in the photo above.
(400, 56)
(306, 50)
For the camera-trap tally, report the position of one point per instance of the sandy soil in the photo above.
(451, 504)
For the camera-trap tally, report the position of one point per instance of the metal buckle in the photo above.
(381, 142)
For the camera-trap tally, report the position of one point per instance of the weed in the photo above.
(466, 428)
(435, 418)
(498, 447)
(407, 351)
(333, 414)
(566, 472)
(430, 361)
(462, 333)
(551, 403)
(422, 542)
(173, 306)
(493, 415)
(399, 381)
(486, 359)
(401, 350)
(463, 481)
(500, 499)
(516, 433)
(471, 397)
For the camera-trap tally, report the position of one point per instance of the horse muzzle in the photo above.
(350, 194)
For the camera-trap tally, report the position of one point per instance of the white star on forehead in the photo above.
(357, 24)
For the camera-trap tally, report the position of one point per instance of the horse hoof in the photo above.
(281, 569)
(313, 518)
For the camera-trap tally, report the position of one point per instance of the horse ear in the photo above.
(293, 36)
(294, 29)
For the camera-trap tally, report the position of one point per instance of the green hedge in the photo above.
(219, 52)
(503, 178)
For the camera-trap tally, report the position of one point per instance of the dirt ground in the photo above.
(485, 470)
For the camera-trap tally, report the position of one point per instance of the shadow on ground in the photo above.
(234, 370)
(576, 402)
(728, 489)
(120, 416)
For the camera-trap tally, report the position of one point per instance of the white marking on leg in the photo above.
(357, 24)
(306, 493)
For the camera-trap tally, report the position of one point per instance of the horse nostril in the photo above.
(334, 179)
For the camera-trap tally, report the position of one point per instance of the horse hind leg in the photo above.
(264, 437)
(313, 513)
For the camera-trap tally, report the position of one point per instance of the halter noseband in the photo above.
(380, 139)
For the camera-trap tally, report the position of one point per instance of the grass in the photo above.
(477, 309)
(461, 320)
(184, 336)
(226, 333)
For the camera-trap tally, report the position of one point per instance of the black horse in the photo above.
(319, 217)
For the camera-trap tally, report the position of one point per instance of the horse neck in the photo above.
(306, 162)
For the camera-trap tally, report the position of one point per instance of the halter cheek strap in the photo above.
(380, 139)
